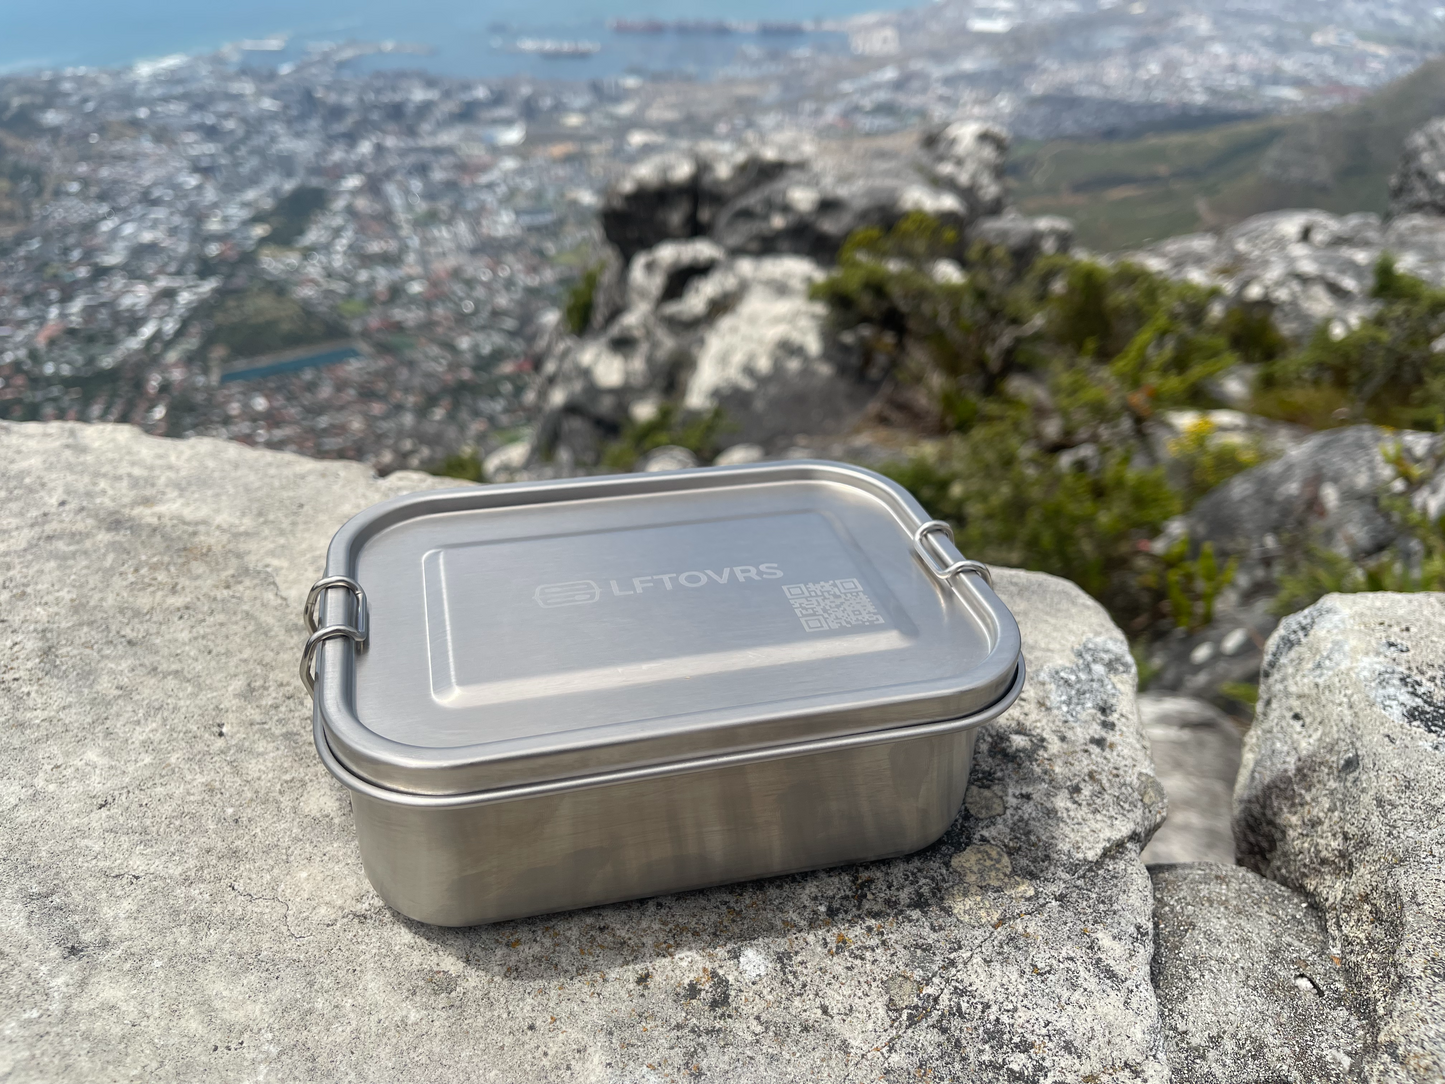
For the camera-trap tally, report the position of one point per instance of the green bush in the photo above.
(1043, 377)
(1013, 504)
(466, 466)
(1388, 370)
(577, 309)
(699, 433)
(1414, 562)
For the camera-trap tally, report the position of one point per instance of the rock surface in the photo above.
(1418, 184)
(1196, 753)
(1248, 986)
(1313, 267)
(1342, 798)
(182, 897)
(1326, 488)
(738, 334)
(717, 246)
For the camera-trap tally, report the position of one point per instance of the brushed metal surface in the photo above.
(551, 630)
(459, 860)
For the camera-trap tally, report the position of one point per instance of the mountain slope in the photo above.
(1121, 193)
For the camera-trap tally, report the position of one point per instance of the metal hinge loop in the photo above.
(314, 642)
(357, 633)
(313, 621)
(931, 556)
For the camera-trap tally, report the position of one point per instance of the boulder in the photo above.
(677, 193)
(1341, 797)
(183, 897)
(1248, 985)
(769, 363)
(710, 332)
(1026, 238)
(811, 213)
(1196, 759)
(654, 201)
(1326, 488)
(1418, 183)
(727, 171)
(1313, 268)
(968, 158)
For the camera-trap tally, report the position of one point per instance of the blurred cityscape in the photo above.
(367, 264)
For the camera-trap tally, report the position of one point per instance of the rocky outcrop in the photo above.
(678, 193)
(785, 197)
(1249, 987)
(1418, 183)
(1325, 490)
(183, 899)
(705, 306)
(1312, 267)
(706, 331)
(1341, 798)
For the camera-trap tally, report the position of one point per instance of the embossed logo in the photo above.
(567, 594)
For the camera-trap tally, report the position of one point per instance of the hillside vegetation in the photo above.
(1126, 192)
(1042, 382)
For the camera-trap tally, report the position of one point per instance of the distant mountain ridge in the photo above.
(1126, 192)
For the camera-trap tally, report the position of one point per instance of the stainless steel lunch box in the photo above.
(552, 695)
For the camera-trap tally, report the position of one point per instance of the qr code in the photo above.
(832, 604)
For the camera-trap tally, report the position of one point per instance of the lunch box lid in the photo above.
(487, 637)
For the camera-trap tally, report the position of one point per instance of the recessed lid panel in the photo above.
(549, 630)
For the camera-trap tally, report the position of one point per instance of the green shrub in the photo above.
(577, 309)
(1388, 370)
(1045, 376)
(699, 433)
(1414, 562)
(1013, 504)
(466, 466)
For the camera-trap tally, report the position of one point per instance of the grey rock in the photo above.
(968, 157)
(1311, 267)
(1196, 759)
(1227, 652)
(708, 332)
(663, 272)
(182, 897)
(668, 457)
(769, 363)
(811, 213)
(727, 171)
(1327, 487)
(654, 201)
(1324, 490)
(1341, 797)
(1025, 238)
(1247, 986)
(677, 193)
(740, 453)
(1418, 183)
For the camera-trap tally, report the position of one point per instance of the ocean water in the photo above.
(465, 39)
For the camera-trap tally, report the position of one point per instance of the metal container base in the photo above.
(463, 860)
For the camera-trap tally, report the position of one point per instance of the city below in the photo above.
(277, 244)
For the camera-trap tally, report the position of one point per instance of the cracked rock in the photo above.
(1248, 986)
(1341, 798)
